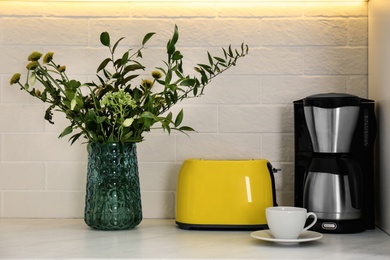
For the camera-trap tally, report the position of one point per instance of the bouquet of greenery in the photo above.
(114, 109)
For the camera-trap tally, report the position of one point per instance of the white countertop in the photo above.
(158, 239)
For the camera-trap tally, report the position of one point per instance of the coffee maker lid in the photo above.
(331, 100)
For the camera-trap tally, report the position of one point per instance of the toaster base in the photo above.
(188, 226)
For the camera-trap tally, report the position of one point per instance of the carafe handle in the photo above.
(355, 182)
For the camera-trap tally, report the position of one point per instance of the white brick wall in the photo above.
(296, 49)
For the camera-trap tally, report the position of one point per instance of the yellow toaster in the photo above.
(224, 194)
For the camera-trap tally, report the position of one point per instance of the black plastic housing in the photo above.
(362, 152)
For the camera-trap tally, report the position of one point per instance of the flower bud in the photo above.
(34, 56)
(73, 103)
(48, 57)
(156, 74)
(32, 65)
(147, 83)
(15, 79)
(61, 68)
(128, 122)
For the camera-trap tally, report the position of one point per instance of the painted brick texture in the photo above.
(296, 49)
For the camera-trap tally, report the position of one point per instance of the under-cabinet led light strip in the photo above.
(138, 1)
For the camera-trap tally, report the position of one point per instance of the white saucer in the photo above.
(306, 236)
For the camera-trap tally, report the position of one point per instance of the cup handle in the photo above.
(312, 223)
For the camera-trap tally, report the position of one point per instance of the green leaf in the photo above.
(172, 42)
(206, 68)
(230, 51)
(66, 131)
(101, 80)
(90, 84)
(179, 118)
(147, 37)
(170, 47)
(147, 122)
(80, 102)
(180, 66)
(210, 59)
(244, 49)
(161, 69)
(105, 39)
(168, 77)
(175, 97)
(175, 36)
(116, 44)
(44, 96)
(107, 74)
(186, 128)
(100, 119)
(127, 136)
(172, 87)
(204, 78)
(167, 127)
(168, 100)
(162, 82)
(177, 55)
(137, 94)
(116, 75)
(69, 94)
(125, 58)
(49, 114)
(147, 114)
(103, 64)
(111, 138)
(129, 78)
(133, 67)
(74, 138)
(91, 115)
(169, 117)
(118, 63)
(74, 84)
(179, 74)
(220, 59)
(224, 53)
(195, 91)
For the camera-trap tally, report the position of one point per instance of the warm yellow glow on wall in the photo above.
(172, 8)
(140, 1)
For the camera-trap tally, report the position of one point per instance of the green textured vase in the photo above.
(113, 198)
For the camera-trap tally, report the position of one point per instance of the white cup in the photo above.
(288, 222)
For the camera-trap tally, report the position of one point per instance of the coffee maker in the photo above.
(334, 138)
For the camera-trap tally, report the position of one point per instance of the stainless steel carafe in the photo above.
(333, 183)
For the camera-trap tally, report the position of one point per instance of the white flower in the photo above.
(73, 103)
(128, 122)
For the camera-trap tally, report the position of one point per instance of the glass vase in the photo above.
(113, 199)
